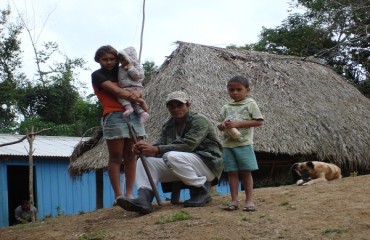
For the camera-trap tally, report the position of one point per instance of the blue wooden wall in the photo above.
(56, 192)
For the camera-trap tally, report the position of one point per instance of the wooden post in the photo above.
(99, 188)
(30, 139)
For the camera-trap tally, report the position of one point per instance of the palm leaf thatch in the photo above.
(81, 162)
(310, 112)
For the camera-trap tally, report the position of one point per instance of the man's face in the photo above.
(178, 109)
(26, 207)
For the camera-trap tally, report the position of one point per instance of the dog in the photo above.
(314, 171)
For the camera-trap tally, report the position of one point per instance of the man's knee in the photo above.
(172, 159)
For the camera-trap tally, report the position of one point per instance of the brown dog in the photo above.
(314, 171)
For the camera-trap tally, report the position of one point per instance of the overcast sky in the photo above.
(81, 26)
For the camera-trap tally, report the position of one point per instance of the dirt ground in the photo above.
(339, 209)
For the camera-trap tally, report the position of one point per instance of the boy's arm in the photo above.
(243, 123)
(255, 114)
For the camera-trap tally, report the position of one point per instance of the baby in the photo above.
(131, 76)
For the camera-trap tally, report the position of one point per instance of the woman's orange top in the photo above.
(108, 101)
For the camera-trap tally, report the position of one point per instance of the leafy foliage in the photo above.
(52, 99)
(349, 21)
(10, 61)
(296, 36)
(335, 31)
(149, 69)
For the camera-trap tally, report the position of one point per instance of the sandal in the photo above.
(231, 207)
(249, 208)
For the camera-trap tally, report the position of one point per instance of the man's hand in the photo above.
(145, 149)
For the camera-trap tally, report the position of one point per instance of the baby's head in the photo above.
(121, 57)
(128, 54)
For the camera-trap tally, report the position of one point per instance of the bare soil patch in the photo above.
(339, 209)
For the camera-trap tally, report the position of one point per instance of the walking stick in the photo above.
(144, 161)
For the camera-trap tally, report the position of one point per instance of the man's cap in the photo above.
(178, 96)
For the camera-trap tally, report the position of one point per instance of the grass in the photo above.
(99, 235)
(26, 225)
(245, 217)
(287, 205)
(333, 230)
(177, 216)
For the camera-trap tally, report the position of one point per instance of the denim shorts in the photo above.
(240, 158)
(115, 125)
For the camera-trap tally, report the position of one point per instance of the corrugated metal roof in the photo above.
(44, 146)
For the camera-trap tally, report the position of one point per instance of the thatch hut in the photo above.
(311, 113)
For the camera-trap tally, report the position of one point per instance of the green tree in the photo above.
(10, 61)
(87, 113)
(149, 69)
(55, 102)
(364, 87)
(349, 22)
(51, 100)
(335, 31)
(296, 36)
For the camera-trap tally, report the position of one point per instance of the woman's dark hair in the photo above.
(104, 50)
(240, 79)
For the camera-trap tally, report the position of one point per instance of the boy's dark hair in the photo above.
(240, 79)
(104, 50)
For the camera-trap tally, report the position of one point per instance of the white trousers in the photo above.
(174, 166)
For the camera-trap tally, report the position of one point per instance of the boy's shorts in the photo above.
(115, 125)
(239, 158)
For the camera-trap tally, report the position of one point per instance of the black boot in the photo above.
(199, 196)
(142, 204)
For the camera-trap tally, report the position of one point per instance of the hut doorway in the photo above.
(18, 181)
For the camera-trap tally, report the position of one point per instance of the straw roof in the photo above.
(309, 110)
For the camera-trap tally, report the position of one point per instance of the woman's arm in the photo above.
(124, 93)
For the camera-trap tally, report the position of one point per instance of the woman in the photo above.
(115, 129)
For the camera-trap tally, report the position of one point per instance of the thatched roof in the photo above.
(309, 110)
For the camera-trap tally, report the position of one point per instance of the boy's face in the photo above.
(108, 61)
(237, 91)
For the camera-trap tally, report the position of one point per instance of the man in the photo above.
(188, 150)
(23, 213)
